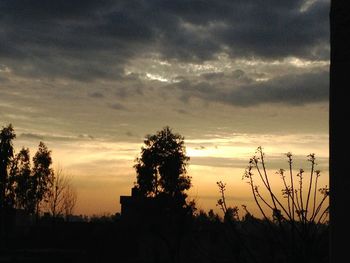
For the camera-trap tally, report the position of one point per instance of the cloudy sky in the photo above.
(92, 78)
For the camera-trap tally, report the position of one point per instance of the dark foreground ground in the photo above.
(161, 241)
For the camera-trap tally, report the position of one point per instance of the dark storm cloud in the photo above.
(275, 29)
(267, 29)
(88, 39)
(81, 40)
(293, 89)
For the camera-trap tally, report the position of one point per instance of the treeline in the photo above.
(158, 223)
(32, 185)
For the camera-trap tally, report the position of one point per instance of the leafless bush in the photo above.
(62, 196)
(296, 209)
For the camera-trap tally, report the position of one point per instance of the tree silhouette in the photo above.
(7, 134)
(42, 175)
(162, 165)
(19, 192)
(161, 169)
(22, 186)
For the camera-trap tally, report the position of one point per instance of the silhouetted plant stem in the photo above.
(249, 174)
(319, 207)
(267, 185)
(315, 191)
(286, 190)
(268, 188)
(297, 205)
(301, 237)
(289, 155)
(262, 199)
(266, 177)
(312, 160)
(302, 211)
(290, 195)
(255, 194)
(323, 214)
(222, 201)
(260, 174)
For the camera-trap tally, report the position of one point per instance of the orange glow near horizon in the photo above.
(103, 171)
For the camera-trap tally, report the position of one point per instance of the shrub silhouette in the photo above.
(292, 231)
(297, 209)
(298, 223)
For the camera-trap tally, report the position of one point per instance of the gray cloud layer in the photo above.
(293, 89)
(87, 40)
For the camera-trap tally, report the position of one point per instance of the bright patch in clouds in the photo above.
(156, 77)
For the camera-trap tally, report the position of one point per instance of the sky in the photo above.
(92, 78)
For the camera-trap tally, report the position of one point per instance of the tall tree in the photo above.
(7, 134)
(23, 181)
(42, 174)
(162, 165)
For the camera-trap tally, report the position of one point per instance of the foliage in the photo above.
(7, 134)
(22, 186)
(42, 174)
(161, 169)
(23, 182)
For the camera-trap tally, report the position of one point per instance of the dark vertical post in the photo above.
(339, 106)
